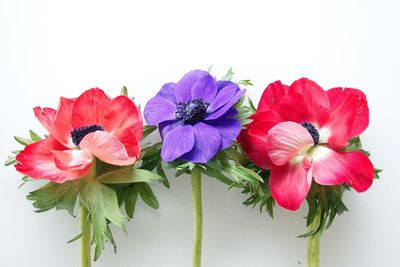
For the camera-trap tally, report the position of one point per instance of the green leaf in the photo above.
(245, 82)
(34, 136)
(130, 200)
(52, 195)
(10, 161)
(228, 76)
(210, 68)
(124, 91)
(242, 173)
(160, 171)
(102, 204)
(376, 173)
(23, 141)
(147, 130)
(129, 175)
(147, 195)
(216, 174)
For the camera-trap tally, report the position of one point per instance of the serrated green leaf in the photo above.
(34, 136)
(129, 175)
(52, 195)
(147, 195)
(228, 76)
(23, 141)
(102, 204)
(147, 130)
(130, 200)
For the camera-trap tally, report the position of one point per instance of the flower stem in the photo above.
(198, 216)
(86, 260)
(313, 242)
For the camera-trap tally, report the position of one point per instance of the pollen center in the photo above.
(192, 111)
(79, 133)
(312, 130)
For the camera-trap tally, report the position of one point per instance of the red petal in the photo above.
(121, 114)
(107, 148)
(287, 140)
(254, 139)
(63, 121)
(305, 101)
(333, 168)
(130, 140)
(89, 108)
(37, 161)
(290, 185)
(272, 96)
(349, 115)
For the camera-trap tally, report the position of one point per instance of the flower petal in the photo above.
(286, 140)
(121, 114)
(73, 159)
(253, 139)
(207, 142)
(184, 86)
(89, 108)
(107, 148)
(47, 117)
(305, 101)
(228, 127)
(128, 137)
(205, 88)
(290, 184)
(222, 110)
(272, 96)
(63, 123)
(349, 116)
(223, 96)
(176, 142)
(37, 161)
(333, 168)
(159, 109)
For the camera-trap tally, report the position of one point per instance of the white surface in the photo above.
(60, 48)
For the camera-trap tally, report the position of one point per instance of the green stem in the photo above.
(313, 242)
(198, 217)
(86, 260)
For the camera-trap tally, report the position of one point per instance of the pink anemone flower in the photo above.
(92, 125)
(299, 132)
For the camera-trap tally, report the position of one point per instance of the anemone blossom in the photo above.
(299, 132)
(92, 125)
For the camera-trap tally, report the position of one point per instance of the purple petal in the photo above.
(223, 96)
(168, 92)
(159, 109)
(223, 83)
(176, 142)
(167, 126)
(184, 86)
(228, 127)
(206, 144)
(221, 111)
(205, 88)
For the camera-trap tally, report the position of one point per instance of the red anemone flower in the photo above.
(92, 125)
(299, 133)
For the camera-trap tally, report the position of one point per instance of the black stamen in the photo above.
(79, 133)
(191, 112)
(312, 130)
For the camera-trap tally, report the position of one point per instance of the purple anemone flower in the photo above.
(195, 116)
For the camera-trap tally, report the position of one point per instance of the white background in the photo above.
(60, 48)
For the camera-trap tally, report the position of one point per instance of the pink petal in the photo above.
(349, 115)
(107, 148)
(63, 121)
(37, 161)
(305, 101)
(286, 140)
(333, 168)
(74, 159)
(47, 117)
(130, 140)
(290, 184)
(253, 139)
(272, 96)
(121, 114)
(89, 108)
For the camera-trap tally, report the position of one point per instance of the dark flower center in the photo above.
(312, 130)
(192, 111)
(79, 133)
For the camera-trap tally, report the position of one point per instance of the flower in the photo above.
(92, 125)
(299, 132)
(196, 117)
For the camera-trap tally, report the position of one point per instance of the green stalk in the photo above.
(198, 217)
(86, 260)
(313, 242)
